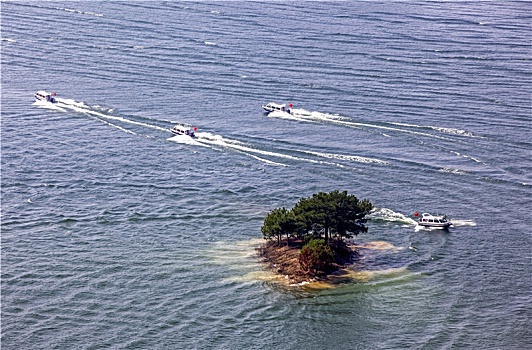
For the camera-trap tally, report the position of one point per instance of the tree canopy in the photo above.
(322, 215)
(279, 222)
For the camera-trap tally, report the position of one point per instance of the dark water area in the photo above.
(116, 234)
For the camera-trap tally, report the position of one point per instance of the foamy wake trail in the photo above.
(327, 116)
(466, 156)
(348, 158)
(48, 105)
(186, 140)
(458, 223)
(288, 116)
(440, 129)
(216, 142)
(382, 127)
(80, 12)
(219, 141)
(223, 142)
(70, 102)
(83, 108)
(116, 126)
(453, 171)
(315, 117)
(388, 215)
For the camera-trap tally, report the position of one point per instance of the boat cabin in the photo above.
(272, 106)
(429, 220)
(182, 129)
(42, 95)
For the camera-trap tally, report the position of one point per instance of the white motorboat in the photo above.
(428, 220)
(279, 110)
(272, 106)
(184, 129)
(42, 95)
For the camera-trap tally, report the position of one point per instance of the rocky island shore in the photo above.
(284, 260)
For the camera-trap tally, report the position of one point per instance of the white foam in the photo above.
(117, 126)
(348, 158)
(71, 102)
(386, 214)
(220, 141)
(83, 108)
(81, 12)
(453, 171)
(185, 139)
(284, 115)
(458, 223)
(209, 43)
(217, 140)
(48, 105)
(466, 156)
(267, 161)
(437, 128)
(339, 120)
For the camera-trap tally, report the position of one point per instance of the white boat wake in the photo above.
(206, 139)
(459, 223)
(388, 215)
(437, 128)
(314, 117)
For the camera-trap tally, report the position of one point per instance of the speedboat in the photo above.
(428, 220)
(184, 129)
(272, 106)
(42, 95)
(280, 109)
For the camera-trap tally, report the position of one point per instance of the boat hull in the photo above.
(435, 225)
(180, 133)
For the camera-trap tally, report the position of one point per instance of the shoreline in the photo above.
(283, 260)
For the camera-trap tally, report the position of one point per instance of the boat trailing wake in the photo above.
(64, 105)
(440, 129)
(48, 105)
(221, 142)
(358, 159)
(459, 223)
(207, 139)
(317, 117)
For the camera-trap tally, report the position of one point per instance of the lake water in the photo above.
(117, 235)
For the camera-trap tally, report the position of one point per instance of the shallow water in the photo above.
(117, 235)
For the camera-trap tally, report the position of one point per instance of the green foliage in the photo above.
(279, 222)
(316, 256)
(334, 213)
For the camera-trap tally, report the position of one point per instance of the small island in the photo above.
(308, 242)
